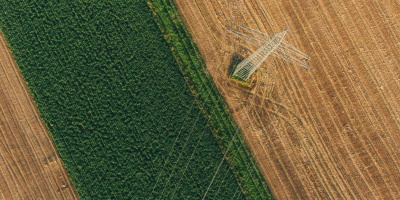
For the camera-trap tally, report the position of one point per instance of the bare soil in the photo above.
(332, 132)
(30, 167)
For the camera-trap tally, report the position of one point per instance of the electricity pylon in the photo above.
(266, 45)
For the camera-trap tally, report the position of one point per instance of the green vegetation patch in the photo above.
(117, 106)
(210, 101)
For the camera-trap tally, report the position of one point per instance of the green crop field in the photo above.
(115, 101)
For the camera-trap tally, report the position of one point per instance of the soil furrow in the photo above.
(350, 148)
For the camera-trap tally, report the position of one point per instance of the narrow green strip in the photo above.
(210, 101)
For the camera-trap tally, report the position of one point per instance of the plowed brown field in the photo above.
(30, 167)
(332, 132)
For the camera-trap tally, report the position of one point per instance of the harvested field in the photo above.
(332, 132)
(30, 167)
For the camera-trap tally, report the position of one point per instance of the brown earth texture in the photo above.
(30, 167)
(331, 132)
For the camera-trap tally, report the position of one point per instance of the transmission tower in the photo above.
(266, 45)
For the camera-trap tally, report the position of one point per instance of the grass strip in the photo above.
(211, 103)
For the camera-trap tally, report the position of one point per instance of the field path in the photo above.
(332, 132)
(30, 167)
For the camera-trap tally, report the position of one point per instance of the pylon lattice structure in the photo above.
(266, 45)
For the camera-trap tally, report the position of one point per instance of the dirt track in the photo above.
(30, 167)
(332, 132)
